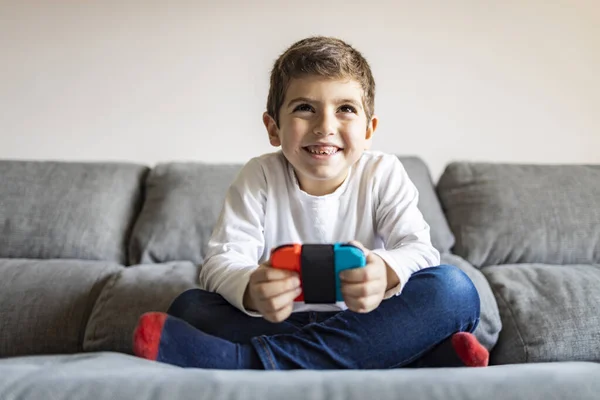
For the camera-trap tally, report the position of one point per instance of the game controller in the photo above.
(319, 266)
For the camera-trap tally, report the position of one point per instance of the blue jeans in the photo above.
(407, 330)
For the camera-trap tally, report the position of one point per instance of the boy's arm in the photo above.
(404, 231)
(237, 242)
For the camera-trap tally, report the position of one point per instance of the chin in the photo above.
(328, 175)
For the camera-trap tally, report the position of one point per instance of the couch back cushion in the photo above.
(127, 295)
(502, 213)
(70, 306)
(68, 210)
(183, 202)
(549, 312)
(45, 305)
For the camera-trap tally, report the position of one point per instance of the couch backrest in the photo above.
(508, 213)
(183, 202)
(68, 210)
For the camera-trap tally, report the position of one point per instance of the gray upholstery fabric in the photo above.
(441, 235)
(130, 293)
(110, 376)
(504, 214)
(489, 322)
(45, 304)
(183, 202)
(68, 210)
(549, 312)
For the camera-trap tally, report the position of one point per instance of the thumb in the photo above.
(360, 246)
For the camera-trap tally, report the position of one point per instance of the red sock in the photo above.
(146, 337)
(470, 351)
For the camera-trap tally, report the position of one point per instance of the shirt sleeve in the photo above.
(237, 242)
(405, 233)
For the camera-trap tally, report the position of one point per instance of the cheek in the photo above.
(297, 125)
(293, 133)
(354, 135)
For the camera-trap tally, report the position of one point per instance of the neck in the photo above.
(320, 188)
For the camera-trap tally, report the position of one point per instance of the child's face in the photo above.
(323, 130)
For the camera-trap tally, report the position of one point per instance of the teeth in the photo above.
(322, 150)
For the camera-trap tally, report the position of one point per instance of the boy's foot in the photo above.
(146, 337)
(167, 339)
(462, 349)
(469, 350)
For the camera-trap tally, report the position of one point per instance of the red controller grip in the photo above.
(288, 257)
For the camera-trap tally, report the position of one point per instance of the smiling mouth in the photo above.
(322, 150)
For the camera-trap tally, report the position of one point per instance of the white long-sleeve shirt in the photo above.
(265, 208)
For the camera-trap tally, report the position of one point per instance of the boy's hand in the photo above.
(271, 292)
(363, 288)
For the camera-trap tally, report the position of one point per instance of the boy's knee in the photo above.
(194, 299)
(455, 279)
(459, 291)
(451, 285)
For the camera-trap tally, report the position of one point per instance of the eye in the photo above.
(303, 108)
(347, 109)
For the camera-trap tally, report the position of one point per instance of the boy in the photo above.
(322, 187)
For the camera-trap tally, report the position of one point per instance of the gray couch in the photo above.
(85, 248)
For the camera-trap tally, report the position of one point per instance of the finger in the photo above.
(353, 275)
(360, 246)
(271, 289)
(364, 289)
(373, 258)
(267, 274)
(371, 271)
(280, 315)
(280, 301)
(363, 304)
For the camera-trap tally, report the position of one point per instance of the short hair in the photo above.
(321, 56)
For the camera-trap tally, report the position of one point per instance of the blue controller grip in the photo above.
(346, 256)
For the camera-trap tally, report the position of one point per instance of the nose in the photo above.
(325, 125)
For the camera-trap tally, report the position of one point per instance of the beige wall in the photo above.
(152, 81)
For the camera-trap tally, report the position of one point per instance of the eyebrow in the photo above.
(336, 101)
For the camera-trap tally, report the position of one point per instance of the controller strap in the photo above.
(318, 273)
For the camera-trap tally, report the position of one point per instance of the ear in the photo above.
(371, 128)
(272, 130)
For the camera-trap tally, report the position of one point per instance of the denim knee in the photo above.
(451, 281)
(456, 279)
(191, 301)
(448, 288)
(457, 289)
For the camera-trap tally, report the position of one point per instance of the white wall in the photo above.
(152, 81)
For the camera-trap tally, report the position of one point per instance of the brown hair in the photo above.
(322, 56)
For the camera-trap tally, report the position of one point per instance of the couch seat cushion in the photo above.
(549, 312)
(110, 376)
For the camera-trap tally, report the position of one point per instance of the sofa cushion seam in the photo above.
(98, 281)
(100, 303)
(498, 295)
